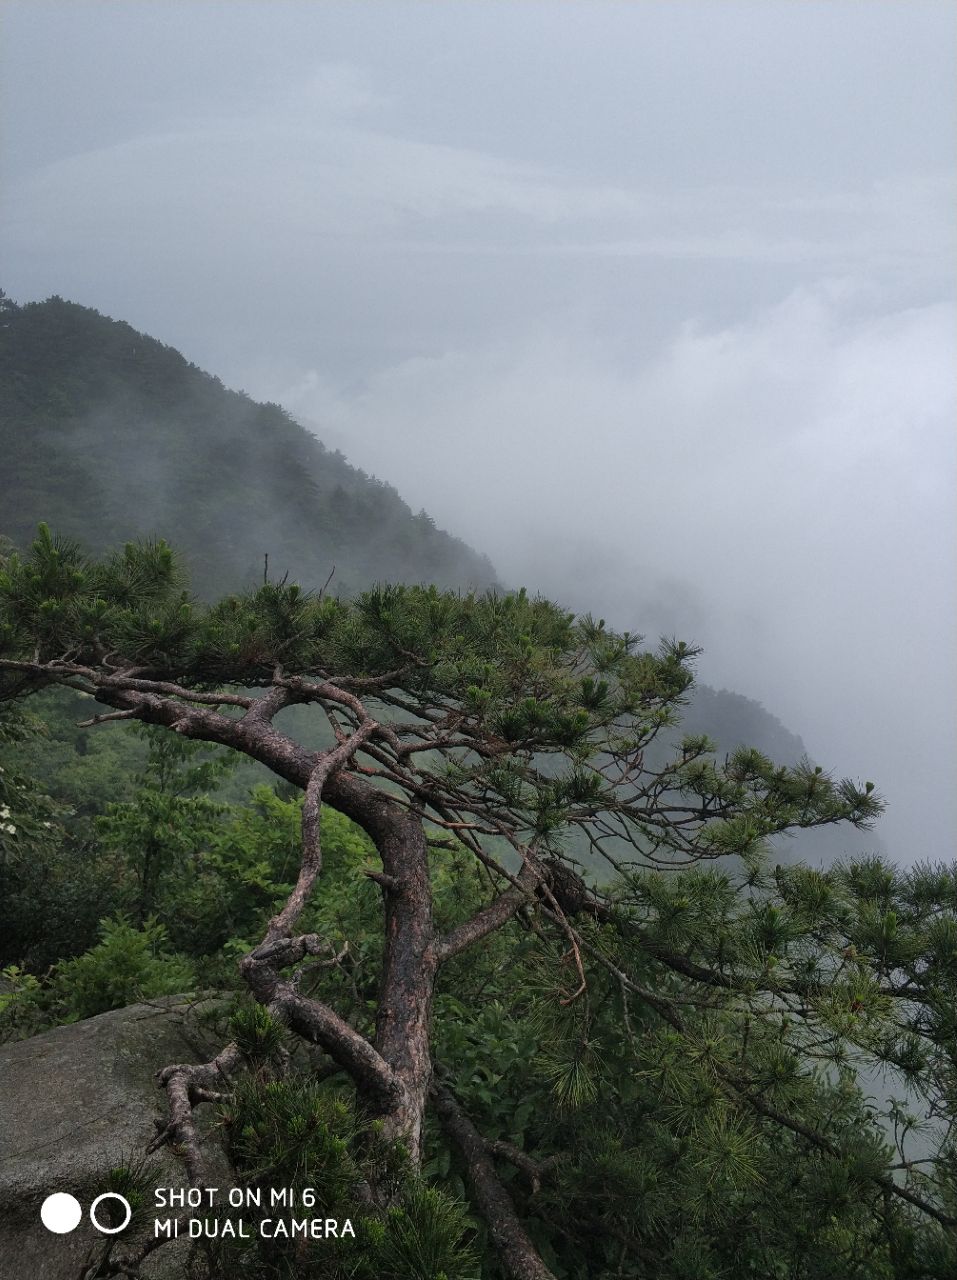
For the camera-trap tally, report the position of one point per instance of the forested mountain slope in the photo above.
(108, 435)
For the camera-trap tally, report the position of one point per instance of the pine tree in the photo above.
(634, 1041)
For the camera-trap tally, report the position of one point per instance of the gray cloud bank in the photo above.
(780, 490)
(653, 303)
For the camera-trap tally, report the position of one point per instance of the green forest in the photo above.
(501, 928)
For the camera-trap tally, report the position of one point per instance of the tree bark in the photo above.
(393, 1077)
(403, 1018)
(518, 1254)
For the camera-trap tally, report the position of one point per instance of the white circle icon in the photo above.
(111, 1195)
(61, 1213)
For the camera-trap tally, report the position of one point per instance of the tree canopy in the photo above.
(590, 1004)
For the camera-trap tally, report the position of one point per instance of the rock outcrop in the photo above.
(75, 1103)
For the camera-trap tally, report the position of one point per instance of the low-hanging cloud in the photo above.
(781, 488)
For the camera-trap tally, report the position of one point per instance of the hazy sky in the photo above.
(654, 302)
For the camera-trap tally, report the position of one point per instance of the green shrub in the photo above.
(22, 1011)
(126, 965)
(426, 1237)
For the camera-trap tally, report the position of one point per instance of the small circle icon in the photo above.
(111, 1195)
(61, 1213)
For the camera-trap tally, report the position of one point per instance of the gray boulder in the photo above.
(76, 1102)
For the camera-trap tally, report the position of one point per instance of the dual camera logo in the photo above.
(62, 1212)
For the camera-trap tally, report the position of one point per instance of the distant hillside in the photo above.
(735, 721)
(109, 436)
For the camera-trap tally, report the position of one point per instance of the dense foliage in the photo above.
(696, 1062)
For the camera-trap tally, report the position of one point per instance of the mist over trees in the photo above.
(506, 954)
(145, 443)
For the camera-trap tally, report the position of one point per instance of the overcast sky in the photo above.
(653, 302)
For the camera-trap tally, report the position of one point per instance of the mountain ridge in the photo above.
(144, 443)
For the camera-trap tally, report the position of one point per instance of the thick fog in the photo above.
(653, 303)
